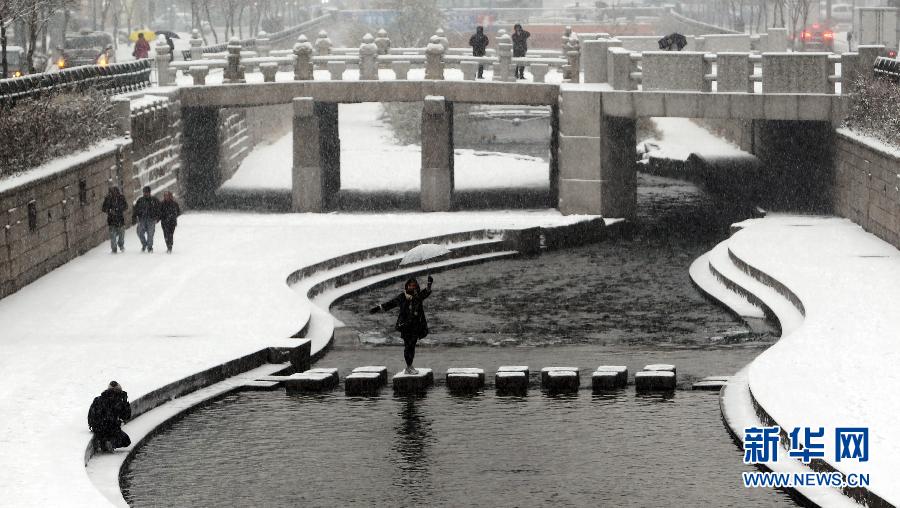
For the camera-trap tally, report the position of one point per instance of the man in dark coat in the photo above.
(411, 322)
(114, 206)
(106, 415)
(479, 43)
(168, 218)
(520, 47)
(146, 215)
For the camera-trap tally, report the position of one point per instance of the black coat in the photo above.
(520, 42)
(411, 321)
(114, 206)
(479, 43)
(146, 208)
(169, 212)
(108, 411)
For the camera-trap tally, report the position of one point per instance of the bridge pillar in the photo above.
(200, 150)
(316, 168)
(437, 155)
(597, 168)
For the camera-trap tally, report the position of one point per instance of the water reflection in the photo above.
(412, 439)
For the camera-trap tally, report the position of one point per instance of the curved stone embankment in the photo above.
(829, 285)
(322, 284)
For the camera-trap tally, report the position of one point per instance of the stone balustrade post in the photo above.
(196, 43)
(263, 44)
(368, 58)
(234, 71)
(303, 66)
(504, 56)
(442, 39)
(591, 54)
(164, 76)
(382, 41)
(572, 69)
(434, 59)
(618, 70)
(437, 177)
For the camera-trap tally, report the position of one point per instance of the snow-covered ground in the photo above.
(680, 137)
(372, 161)
(839, 367)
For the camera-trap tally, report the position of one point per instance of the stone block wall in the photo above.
(49, 219)
(867, 186)
(235, 141)
(156, 149)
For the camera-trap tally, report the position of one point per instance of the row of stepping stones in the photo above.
(509, 380)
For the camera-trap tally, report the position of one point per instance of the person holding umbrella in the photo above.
(411, 322)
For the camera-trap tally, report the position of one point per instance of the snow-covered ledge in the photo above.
(838, 367)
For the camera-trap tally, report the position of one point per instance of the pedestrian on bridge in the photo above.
(114, 206)
(479, 43)
(168, 218)
(411, 322)
(520, 47)
(146, 215)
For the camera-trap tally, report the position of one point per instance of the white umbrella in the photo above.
(423, 252)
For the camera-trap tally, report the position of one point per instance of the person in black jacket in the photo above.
(106, 415)
(168, 217)
(146, 215)
(520, 47)
(411, 322)
(114, 206)
(479, 43)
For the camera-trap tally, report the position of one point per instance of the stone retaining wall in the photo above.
(50, 219)
(234, 141)
(867, 186)
(156, 149)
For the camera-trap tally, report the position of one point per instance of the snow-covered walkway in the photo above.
(147, 320)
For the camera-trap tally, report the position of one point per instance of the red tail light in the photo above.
(892, 54)
(828, 35)
(806, 36)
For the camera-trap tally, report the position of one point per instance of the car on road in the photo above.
(817, 37)
(86, 48)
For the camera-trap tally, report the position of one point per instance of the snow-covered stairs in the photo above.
(331, 280)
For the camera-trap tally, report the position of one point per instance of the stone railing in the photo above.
(606, 61)
(111, 79)
(373, 54)
(198, 50)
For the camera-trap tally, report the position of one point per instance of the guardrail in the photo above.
(887, 68)
(273, 38)
(110, 79)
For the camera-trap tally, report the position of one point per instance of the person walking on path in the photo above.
(107, 414)
(141, 48)
(114, 206)
(411, 322)
(168, 218)
(520, 47)
(479, 43)
(146, 215)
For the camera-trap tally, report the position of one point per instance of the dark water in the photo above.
(626, 301)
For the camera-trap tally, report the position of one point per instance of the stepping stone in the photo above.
(362, 383)
(515, 368)
(261, 385)
(379, 369)
(663, 367)
(545, 373)
(313, 380)
(604, 380)
(464, 382)
(711, 383)
(562, 381)
(411, 384)
(467, 370)
(621, 373)
(511, 382)
(654, 381)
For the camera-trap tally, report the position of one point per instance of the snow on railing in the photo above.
(110, 79)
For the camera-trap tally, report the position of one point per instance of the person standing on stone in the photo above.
(141, 48)
(107, 414)
(479, 43)
(520, 47)
(411, 322)
(146, 215)
(114, 206)
(168, 218)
